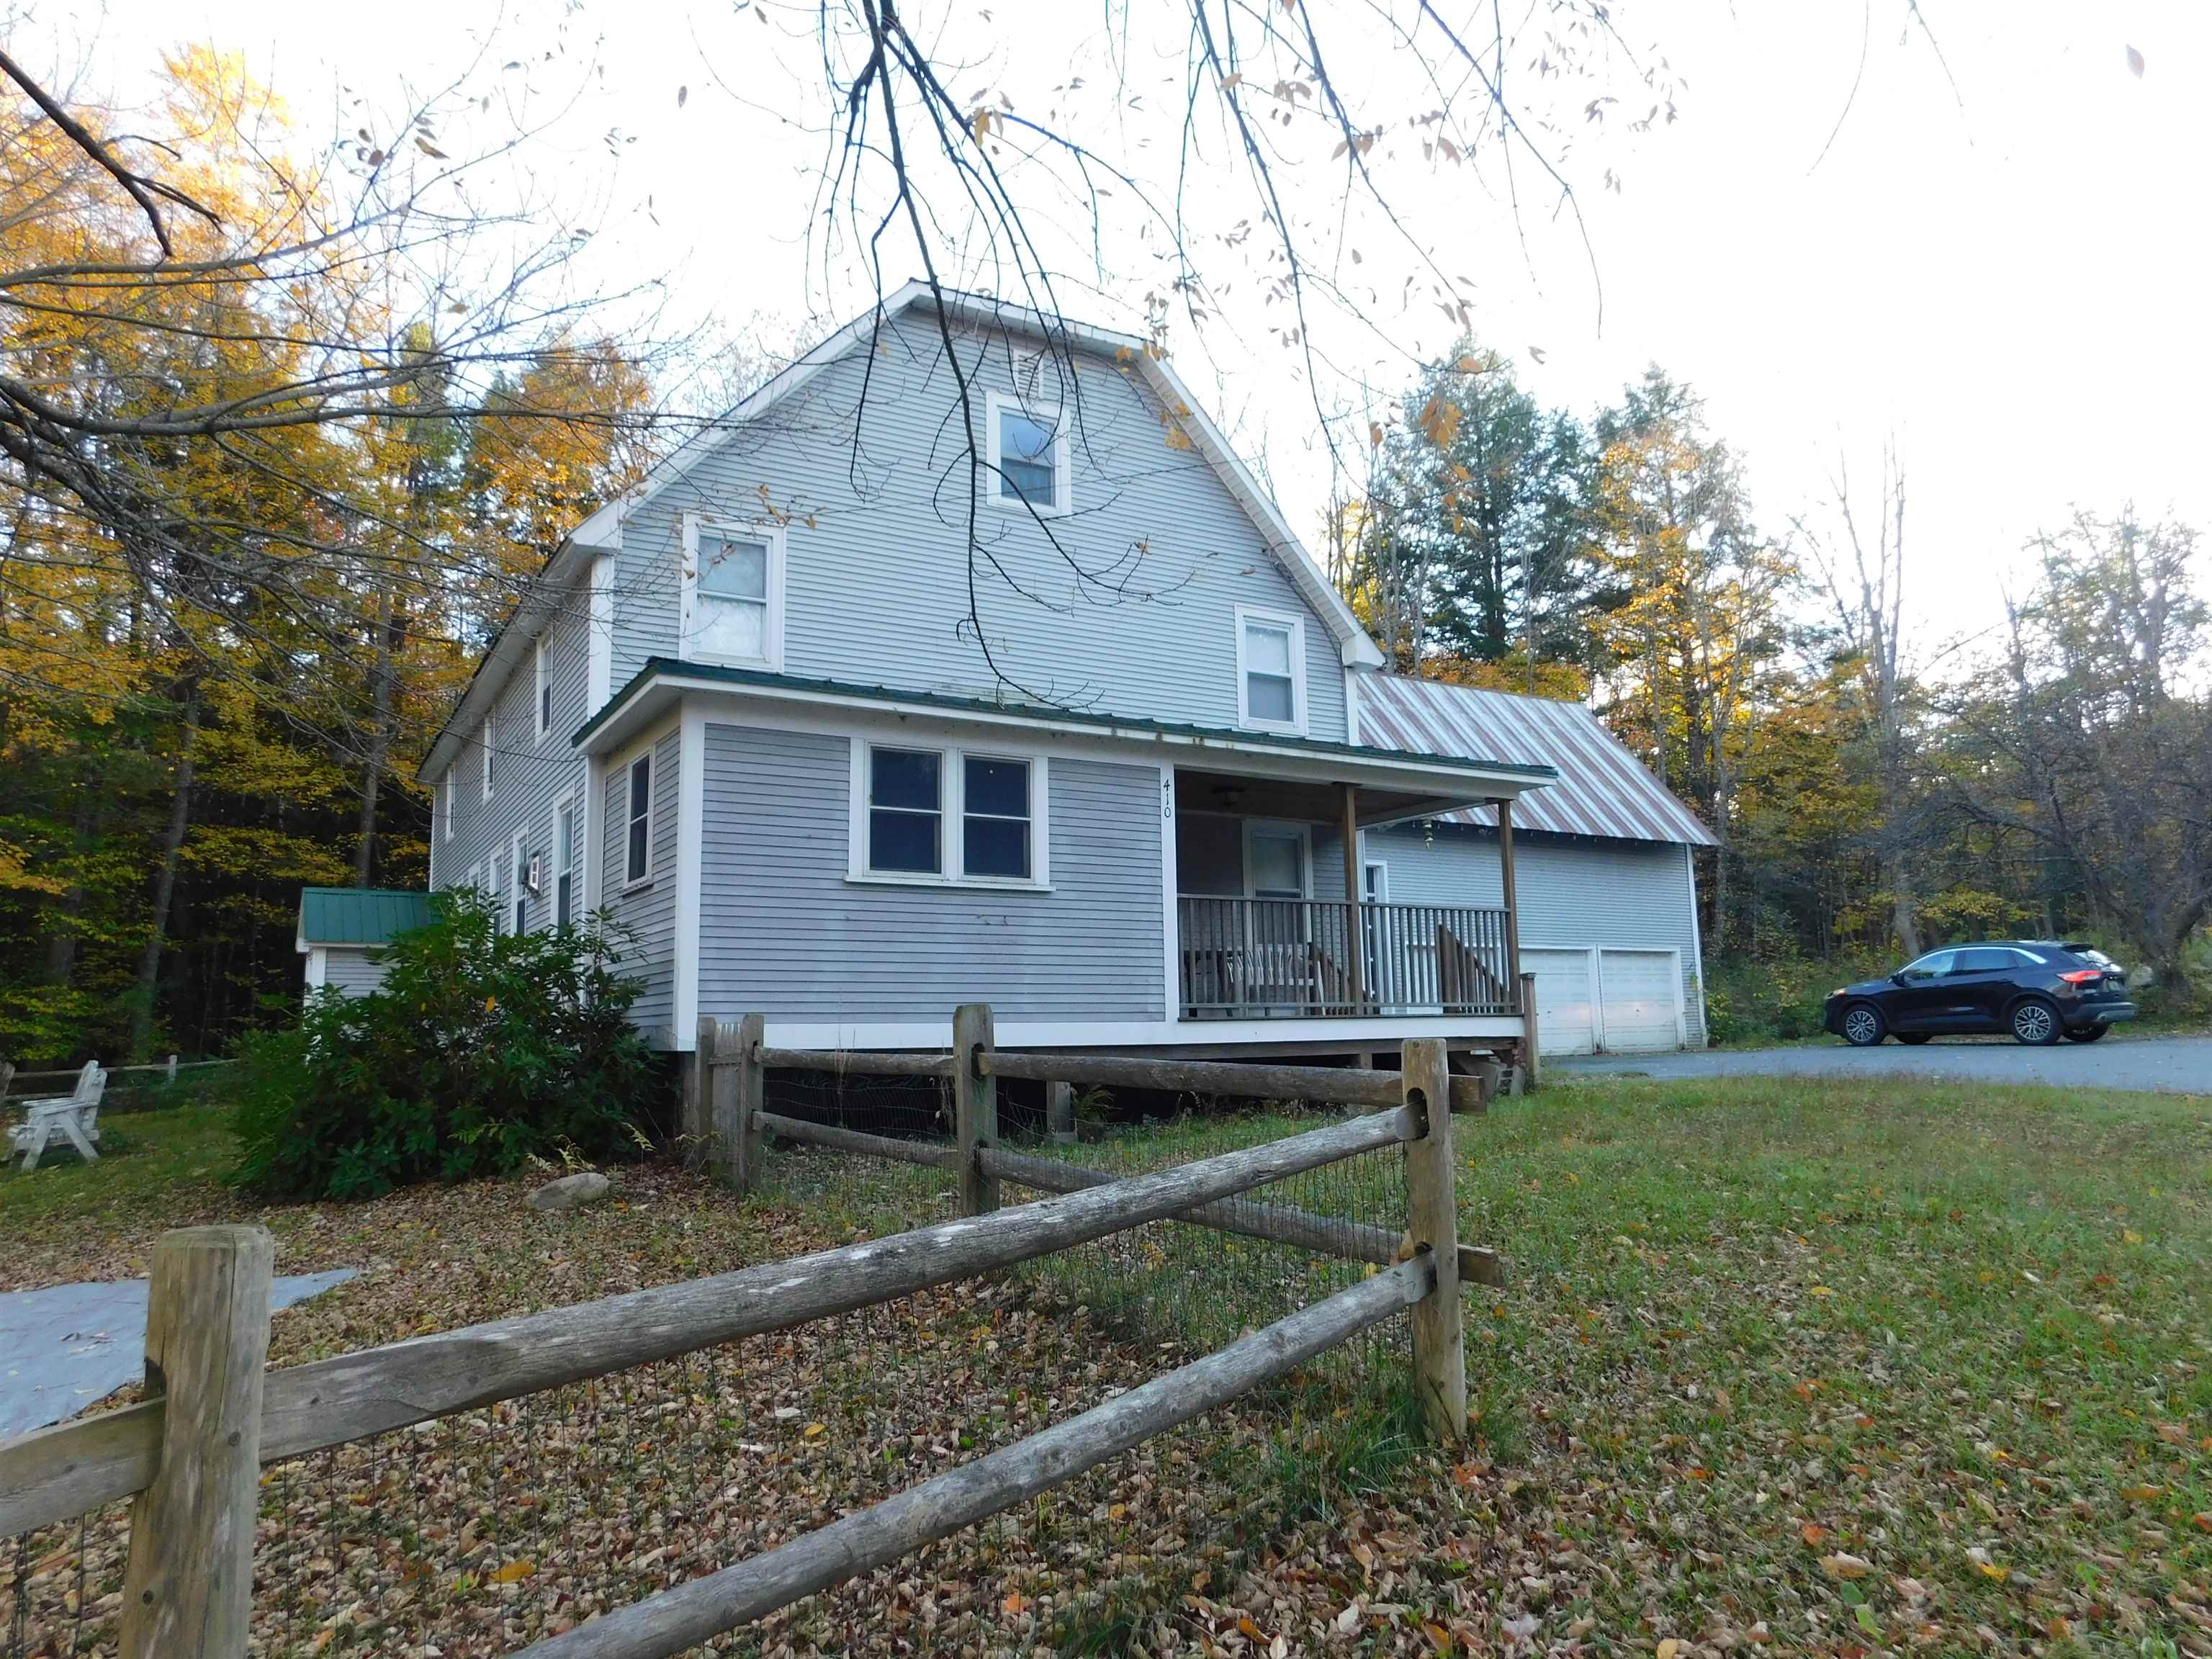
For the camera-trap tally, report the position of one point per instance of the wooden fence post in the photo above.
(1432, 1219)
(697, 1113)
(974, 1106)
(1531, 1065)
(188, 1587)
(1060, 1113)
(735, 1099)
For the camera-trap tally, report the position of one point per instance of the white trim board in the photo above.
(1350, 1034)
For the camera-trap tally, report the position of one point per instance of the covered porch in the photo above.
(1279, 915)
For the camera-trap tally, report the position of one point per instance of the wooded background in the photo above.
(283, 440)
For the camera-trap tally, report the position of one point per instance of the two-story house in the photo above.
(1164, 799)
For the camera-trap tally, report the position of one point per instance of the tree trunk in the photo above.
(62, 934)
(389, 628)
(165, 889)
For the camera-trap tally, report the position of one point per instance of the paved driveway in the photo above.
(2182, 1064)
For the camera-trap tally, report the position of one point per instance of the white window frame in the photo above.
(445, 791)
(564, 860)
(541, 690)
(1063, 492)
(476, 877)
(951, 774)
(1248, 615)
(484, 744)
(517, 887)
(1367, 867)
(629, 815)
(697, 527)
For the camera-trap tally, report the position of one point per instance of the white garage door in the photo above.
(1642, 994)
(1563, 1025)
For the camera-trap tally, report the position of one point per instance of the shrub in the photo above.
(480, 1049)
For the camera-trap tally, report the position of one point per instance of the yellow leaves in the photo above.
(1015, 1605)
(2130, 1235)
(1819, 1289)
(1844, 1566)
(1116, 1511)
(1813, 1533)
(1992, 1572)
(1439, 421)
(1668, 1648)
(2142, 1494)
(514, 1572)
(1374, 435)
(815, 1431)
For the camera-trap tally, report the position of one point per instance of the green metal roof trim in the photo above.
(655, 666)
(360, 915)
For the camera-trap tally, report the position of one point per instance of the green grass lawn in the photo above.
(1833, 1365)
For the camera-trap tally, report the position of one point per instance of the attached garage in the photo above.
(1604, 862)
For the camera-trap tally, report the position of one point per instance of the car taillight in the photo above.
(2082, 976)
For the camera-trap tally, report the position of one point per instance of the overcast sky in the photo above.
(2010, 277)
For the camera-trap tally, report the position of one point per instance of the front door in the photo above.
(1276, 945)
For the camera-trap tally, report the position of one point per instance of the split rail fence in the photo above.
(190, 1456)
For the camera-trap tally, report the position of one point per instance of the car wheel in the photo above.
(2035, 1023)
(1864, 1025)
(1916, 1038)
(2086, 1033)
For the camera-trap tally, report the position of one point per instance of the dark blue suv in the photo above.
(2034, 988)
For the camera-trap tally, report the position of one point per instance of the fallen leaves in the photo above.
(1845, 1565)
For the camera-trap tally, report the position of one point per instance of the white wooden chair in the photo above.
(75, 1114)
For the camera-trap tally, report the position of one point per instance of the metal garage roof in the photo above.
(359, 916)
(1603, 789)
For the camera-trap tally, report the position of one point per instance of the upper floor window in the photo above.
(1270, 675)
(446, 803)
(545, 685)
(484, 742)
(1028, 457)
(947, 815)
(732, 600)
(518, 883)
(637, 845)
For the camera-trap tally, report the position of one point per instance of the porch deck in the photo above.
(1248, 959)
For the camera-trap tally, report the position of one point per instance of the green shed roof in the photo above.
(359, 916)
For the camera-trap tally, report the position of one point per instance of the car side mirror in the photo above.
(1900, 978)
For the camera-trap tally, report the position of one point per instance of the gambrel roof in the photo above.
(1601, 789)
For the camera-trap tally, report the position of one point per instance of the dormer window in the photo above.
(1028, 457)
(732, 593)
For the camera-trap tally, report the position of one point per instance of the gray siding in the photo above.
(350, 970)
(529, 776)
(784, 932)
(1574, 894)
(646, 912)
(876, 514)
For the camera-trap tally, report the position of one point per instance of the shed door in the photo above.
(1563, 1000)
(1642, 1001)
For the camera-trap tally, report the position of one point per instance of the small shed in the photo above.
(344, 930)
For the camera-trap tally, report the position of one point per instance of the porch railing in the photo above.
(1258, 957)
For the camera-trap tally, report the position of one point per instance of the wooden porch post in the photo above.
(1504, 810)
(1355, 933)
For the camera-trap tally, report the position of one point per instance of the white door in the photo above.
(1278, 971)
(1642, 993)
(1564, 1010)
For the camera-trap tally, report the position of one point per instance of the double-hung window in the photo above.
(564, 865)
(637, 842)
(947, 815)
(484, 742)
(732, 600)
(446, 804)
(544, 659)
(1028, 450)
(906, 812)
(1270, 671)
(995, 818)
(518, 883)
